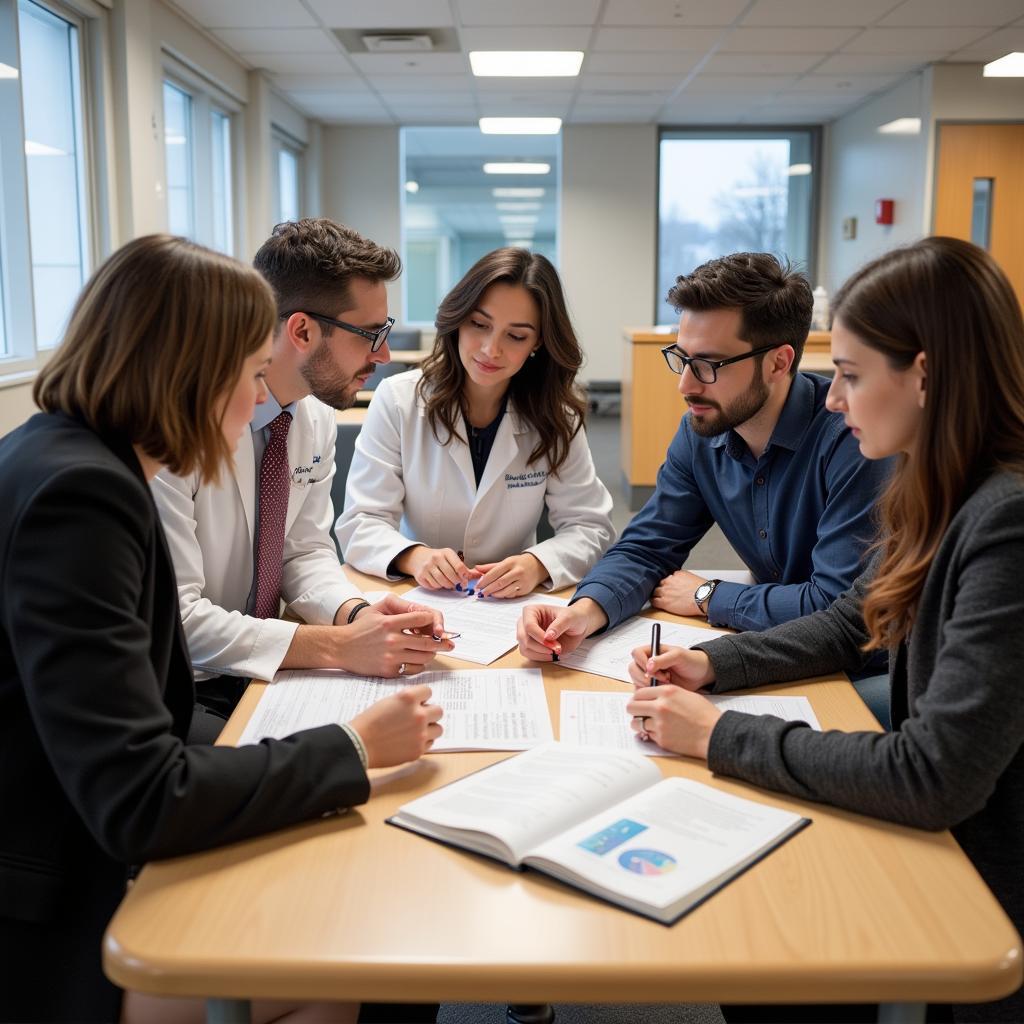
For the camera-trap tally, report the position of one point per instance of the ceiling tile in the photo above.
(913, 40)
(248, 13)
(629, 83)
(517, 106)
(411, 64)
(996, 44)
(297, 63)
(786, 40)
(527, 12)
(438, 99)
(806, 13)
(930, 13)
(673, 13)
(787, 117)
(651, 101)
(348, 85)
(828, 85)
(641, 63)
(277, 40)
(375, 14)
(720, 84)
(389, 84)
(521, 85)
(524, 38)
(872, 63)
(609, 115)
(439, 119)
(762, 63)
(337, 108)
(648, 39)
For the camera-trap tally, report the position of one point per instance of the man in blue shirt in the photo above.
(758, 453)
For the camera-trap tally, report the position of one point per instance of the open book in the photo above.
(605, 822)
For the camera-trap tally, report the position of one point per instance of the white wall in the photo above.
(961, 93)
(607, 236)
(861, 166)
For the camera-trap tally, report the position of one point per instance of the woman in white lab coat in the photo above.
(456, 461)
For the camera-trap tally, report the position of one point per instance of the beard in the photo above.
(748, 405)
(327, 383)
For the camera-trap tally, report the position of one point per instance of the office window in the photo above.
(289, 181)
(454, 211)
(3, 317)
(733, 191)
(178, 152)
(57, 203)
(222, 195)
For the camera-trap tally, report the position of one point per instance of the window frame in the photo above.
(283, 140)
(816, 132)
(25, 356)
(206, 98)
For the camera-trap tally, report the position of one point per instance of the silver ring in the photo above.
(401, 669)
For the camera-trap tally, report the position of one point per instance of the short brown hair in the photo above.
(544, 390)
(773, 299)
(156, 340)
(310, 263)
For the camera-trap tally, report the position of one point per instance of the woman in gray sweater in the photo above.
(928, 343)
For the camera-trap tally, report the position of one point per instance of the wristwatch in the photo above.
(703, 593)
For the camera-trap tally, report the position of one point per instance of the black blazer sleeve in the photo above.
(78, 603)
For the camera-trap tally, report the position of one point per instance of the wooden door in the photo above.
(973, 159)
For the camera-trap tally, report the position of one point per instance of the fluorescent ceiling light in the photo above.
(412, 186)
(41, 149)
(520, 125)
(902, 126)
(520, 168)
(517, 207)
(797, 170)
(1010, 66)
(525, 63)
(6, 71)
(518, 218)
(517, 193)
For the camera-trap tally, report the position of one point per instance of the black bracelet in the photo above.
(356, 610)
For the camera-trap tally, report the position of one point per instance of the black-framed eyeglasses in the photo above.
(705, 370)
(375, 338)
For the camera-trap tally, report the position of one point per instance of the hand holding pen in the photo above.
(652, 680)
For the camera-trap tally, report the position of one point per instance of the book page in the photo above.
(598, 719)
(524, 799)
(673, 839)
(501, 709)
(610, 654)
(487, 624)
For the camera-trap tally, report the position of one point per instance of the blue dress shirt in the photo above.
(800, 517)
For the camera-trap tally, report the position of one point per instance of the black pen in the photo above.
(655, 648)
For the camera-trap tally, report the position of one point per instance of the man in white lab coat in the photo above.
(261, 536)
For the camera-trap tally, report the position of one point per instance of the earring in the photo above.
(533, 353)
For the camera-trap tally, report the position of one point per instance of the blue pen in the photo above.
(655, 648)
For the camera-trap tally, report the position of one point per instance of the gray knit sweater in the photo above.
(954, 758)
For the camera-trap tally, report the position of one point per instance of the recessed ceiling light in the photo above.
(412, 186)
(525, 63)
(517, 193)
(519, 168)
(517, 207)
(796, 170)
(6, 71)
(902, 126)
(1010, 66)
(525, 219)
(520, 125)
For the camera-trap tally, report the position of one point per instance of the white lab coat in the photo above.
(210, 531)
(403, 486)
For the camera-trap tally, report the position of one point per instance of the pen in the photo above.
(655, 648)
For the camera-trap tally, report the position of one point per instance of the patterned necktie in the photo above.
(273, 512)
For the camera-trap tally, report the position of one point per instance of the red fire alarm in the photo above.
(883, 211)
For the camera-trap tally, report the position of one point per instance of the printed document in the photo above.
(501, 709)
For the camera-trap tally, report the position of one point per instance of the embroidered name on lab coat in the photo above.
(302, 475)
(532, 479)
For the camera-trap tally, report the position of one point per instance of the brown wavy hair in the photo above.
(544, 391)
(156, 340)
(949, 299)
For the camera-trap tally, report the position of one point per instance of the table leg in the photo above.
(228, 1011)
(541, 1013)
(901, 1013)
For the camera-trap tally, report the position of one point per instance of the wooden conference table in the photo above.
(849, 910)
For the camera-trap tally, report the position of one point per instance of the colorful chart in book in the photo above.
(647, 862)
(614, 835)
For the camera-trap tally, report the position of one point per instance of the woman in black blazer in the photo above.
(161, 366)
